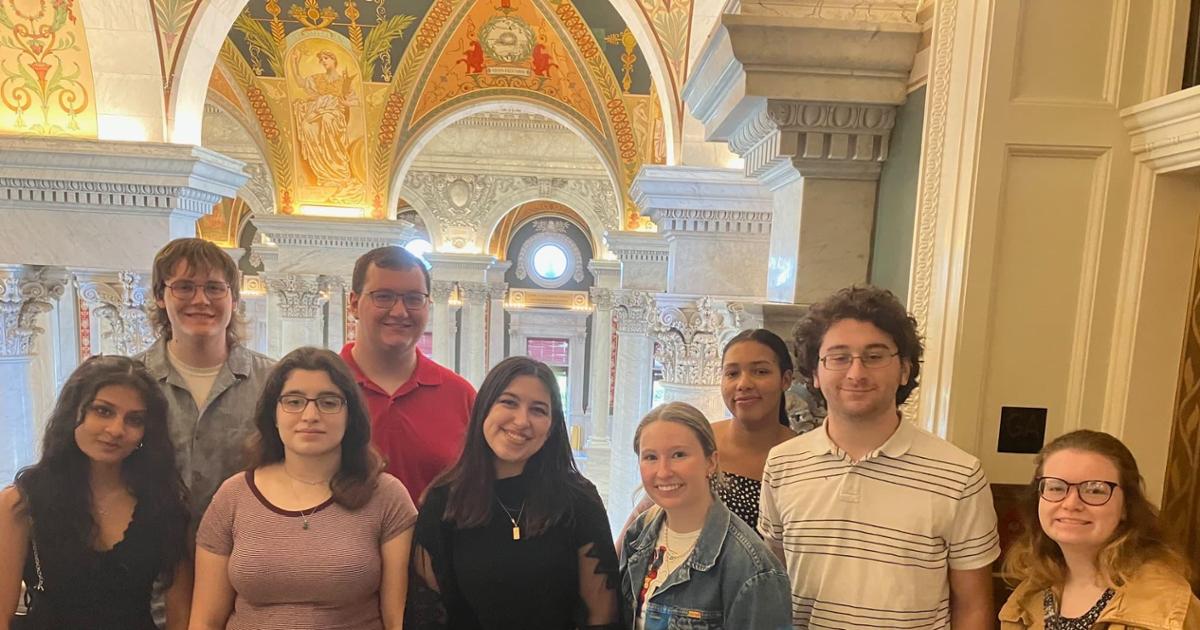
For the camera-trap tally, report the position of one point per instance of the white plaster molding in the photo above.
(900, 11)
(712, 201)
(635, 310)
(333, 233)
(631, 246)
(81, 175)
(606, 272)
(120, 303)
(25, 293)
(1165, 131)
(456, 267)
(300, 297)
(690, 336)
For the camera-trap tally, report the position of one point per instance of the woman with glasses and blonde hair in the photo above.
(1093, 554)
(102, 514)
(690, 562)
(313, 534)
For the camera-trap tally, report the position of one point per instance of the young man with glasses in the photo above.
(881, 524)
(419, 409)
(211, 380)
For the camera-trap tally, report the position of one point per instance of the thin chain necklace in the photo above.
(296, 495)
(516, 529)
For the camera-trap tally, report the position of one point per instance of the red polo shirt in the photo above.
(420, 428)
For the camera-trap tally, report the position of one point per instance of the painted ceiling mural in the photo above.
(46, 83)
(339, 94)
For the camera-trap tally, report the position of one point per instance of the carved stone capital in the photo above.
(121, 304)
(300, 297)
(690, 337)
(497, 290)
(441, 290)
(25, 293)
(839, 140)
(635, 311)
(474, 292)
(602, 298)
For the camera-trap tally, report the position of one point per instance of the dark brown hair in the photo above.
(873, 305)
(201, 257)
(783, 358)
(355, 480)
(1139, 537)
(553, 480)
(386, 257)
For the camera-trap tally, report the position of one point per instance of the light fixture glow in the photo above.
(123, 128)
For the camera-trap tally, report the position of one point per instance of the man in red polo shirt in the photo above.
(419, 409)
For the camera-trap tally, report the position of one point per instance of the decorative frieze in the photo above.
(119, 306)
(25, 293)
(299, 297)
(690, 337)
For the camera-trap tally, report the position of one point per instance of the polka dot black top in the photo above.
(740, 494)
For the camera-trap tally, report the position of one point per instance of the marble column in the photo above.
(473, 354)
(496, 333)
(334, 289)
(295, 313)
(25, 294)
(632, 397)
(441, 322)
(598, 444)
(707, 216)
(815, 140)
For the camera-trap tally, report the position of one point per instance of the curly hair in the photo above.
(56, 494)
(361, 464)
(552, 474)
(200, 256)
(873, 305)
(1139, 538)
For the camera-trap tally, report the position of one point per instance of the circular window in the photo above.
(419, 247)
(550, 261)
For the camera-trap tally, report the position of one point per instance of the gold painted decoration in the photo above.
(172, 18)
(46, 83)
(222, 224)
(1181, 487)
(671, 21)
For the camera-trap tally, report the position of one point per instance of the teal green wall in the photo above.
(896, 205)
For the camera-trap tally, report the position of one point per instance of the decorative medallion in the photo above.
(507, 39)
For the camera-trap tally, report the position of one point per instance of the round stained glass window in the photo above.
(550, 261)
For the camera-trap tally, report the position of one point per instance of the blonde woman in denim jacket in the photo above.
(1093, 555)
(688, 562)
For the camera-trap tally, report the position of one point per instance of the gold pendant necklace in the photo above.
(296, 495)
(516, 529)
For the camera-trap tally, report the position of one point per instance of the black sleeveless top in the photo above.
(107, 590)
(741, 494)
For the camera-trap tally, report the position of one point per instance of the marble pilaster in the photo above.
(496, 333)
(473, 355)
(816, 139)
(632, 396)
(295, 305)
(442, 322)
(93, 194)
(26, 293)
(598, 443)
(714, 219)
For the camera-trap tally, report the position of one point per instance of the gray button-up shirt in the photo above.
(210, 442)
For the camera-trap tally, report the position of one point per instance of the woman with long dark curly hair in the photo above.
(313, 534)
(1093, 554)
(513, 536)
(103, 513)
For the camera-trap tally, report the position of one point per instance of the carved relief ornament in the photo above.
(122, 307)
(25, 293)
(300, 297)
(690, 338)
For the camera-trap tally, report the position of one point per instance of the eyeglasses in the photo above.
(841, 361)
(186, 289)
(295, 403)
(387, 299)
(1092, 492)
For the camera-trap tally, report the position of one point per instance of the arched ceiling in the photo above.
(342, 94)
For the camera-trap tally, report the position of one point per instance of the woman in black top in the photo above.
(512, 536)
(103, 513)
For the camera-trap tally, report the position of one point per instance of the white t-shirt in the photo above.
(199, 381)
(678, 547)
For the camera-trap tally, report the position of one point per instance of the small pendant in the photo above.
(516, 532)
(305, 526)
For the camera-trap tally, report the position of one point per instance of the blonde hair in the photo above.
(1138, 539)
(690, 417)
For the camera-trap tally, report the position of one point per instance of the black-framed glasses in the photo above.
(413, 300)
(186, 289)
(295, 403)
(841, 361)
(1093, 492)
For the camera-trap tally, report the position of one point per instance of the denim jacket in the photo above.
(731, 579)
